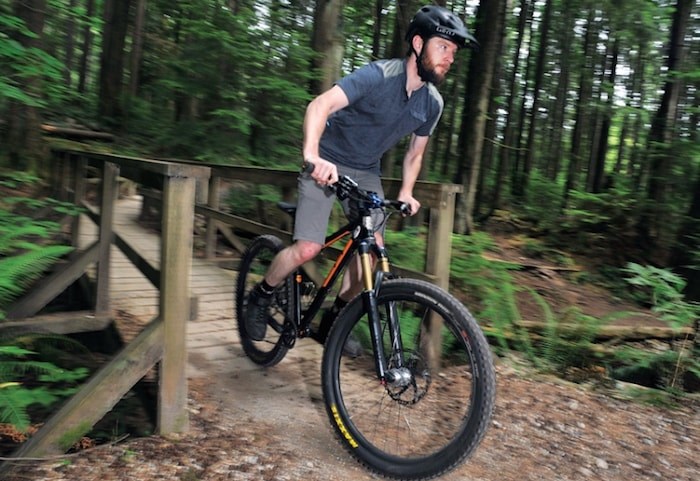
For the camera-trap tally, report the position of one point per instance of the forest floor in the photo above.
(247, 423)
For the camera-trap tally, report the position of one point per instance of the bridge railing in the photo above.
(162, 341)
(438, 198)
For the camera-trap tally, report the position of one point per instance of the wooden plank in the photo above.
(137, 260)
(58, 323)
(136, 165)
(97, 397)
(51, 286)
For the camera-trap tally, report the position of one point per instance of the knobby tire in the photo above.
(254, 264)
(432, 425)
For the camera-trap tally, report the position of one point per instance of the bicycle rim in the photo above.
(254, 265)
(435, 421)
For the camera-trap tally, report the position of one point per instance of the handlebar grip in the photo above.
(405, 209)
(307, 167)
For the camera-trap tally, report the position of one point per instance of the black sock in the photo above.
(266, 288)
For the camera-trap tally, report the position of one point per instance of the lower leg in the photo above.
(289, 259)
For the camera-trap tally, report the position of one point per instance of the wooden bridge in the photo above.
(182, 304)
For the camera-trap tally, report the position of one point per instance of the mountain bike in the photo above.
(416, 400)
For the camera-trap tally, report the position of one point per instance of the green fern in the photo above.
(26, 382)
(19, 271)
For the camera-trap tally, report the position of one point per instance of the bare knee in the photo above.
(306, 250)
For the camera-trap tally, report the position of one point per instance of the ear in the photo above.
(417, 43)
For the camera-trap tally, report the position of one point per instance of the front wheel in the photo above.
(254, 264)
(435, 412)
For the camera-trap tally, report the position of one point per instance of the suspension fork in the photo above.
(369, 299)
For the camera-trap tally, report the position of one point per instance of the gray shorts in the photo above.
(315, 203)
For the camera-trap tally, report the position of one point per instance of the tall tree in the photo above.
(328, 43)
(662, 130)
(24, 141)
(116, 21)
(505, 154)
(489, 27)
(536, 95)
(86, 47)
(585, 92)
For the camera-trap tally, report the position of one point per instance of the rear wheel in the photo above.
(436, 410)
(254, 264)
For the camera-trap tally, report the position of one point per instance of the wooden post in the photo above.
(109, 197)
(438, 254)
(212, 223)
(439, 246)
(175, 268)
(79, 171)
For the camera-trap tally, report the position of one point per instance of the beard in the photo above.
(426, 70)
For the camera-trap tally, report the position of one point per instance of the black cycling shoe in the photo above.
(255, 321)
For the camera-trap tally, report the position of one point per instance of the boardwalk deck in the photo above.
(212, 340)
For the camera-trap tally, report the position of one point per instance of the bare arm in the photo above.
(317, 113)
(411, 169)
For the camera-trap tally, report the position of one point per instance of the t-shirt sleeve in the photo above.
(361, 81)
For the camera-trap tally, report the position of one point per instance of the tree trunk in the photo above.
(517, 171)
(582, 106)
(70, 44)
(87, 47)
(25, 146)
(503, 168)
(377, 30)
(116, 20)
(489, 27)
(686, 246)
(555, 152)
(137, 47)
(598, 171)
(662, 132)
(539, 77)
(327, 42)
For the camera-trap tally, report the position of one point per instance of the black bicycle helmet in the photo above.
(432, 20)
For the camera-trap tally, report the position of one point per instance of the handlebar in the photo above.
(346, 188)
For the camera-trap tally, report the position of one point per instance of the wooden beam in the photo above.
(97, 397)
(57, 323)
(51, 286)
(76, 133)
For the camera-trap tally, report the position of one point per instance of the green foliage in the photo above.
(20, 63)
(663, 289)
(26, 381)
(403, 245)
(663, 368)
(600, 225)
(27, 245)
(543, 202)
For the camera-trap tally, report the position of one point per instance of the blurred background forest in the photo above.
(578, 117)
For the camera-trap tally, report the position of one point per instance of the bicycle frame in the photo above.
(362, 242)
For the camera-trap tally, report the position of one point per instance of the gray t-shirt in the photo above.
(380, 114)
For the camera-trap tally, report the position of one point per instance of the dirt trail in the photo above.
(254, 424)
